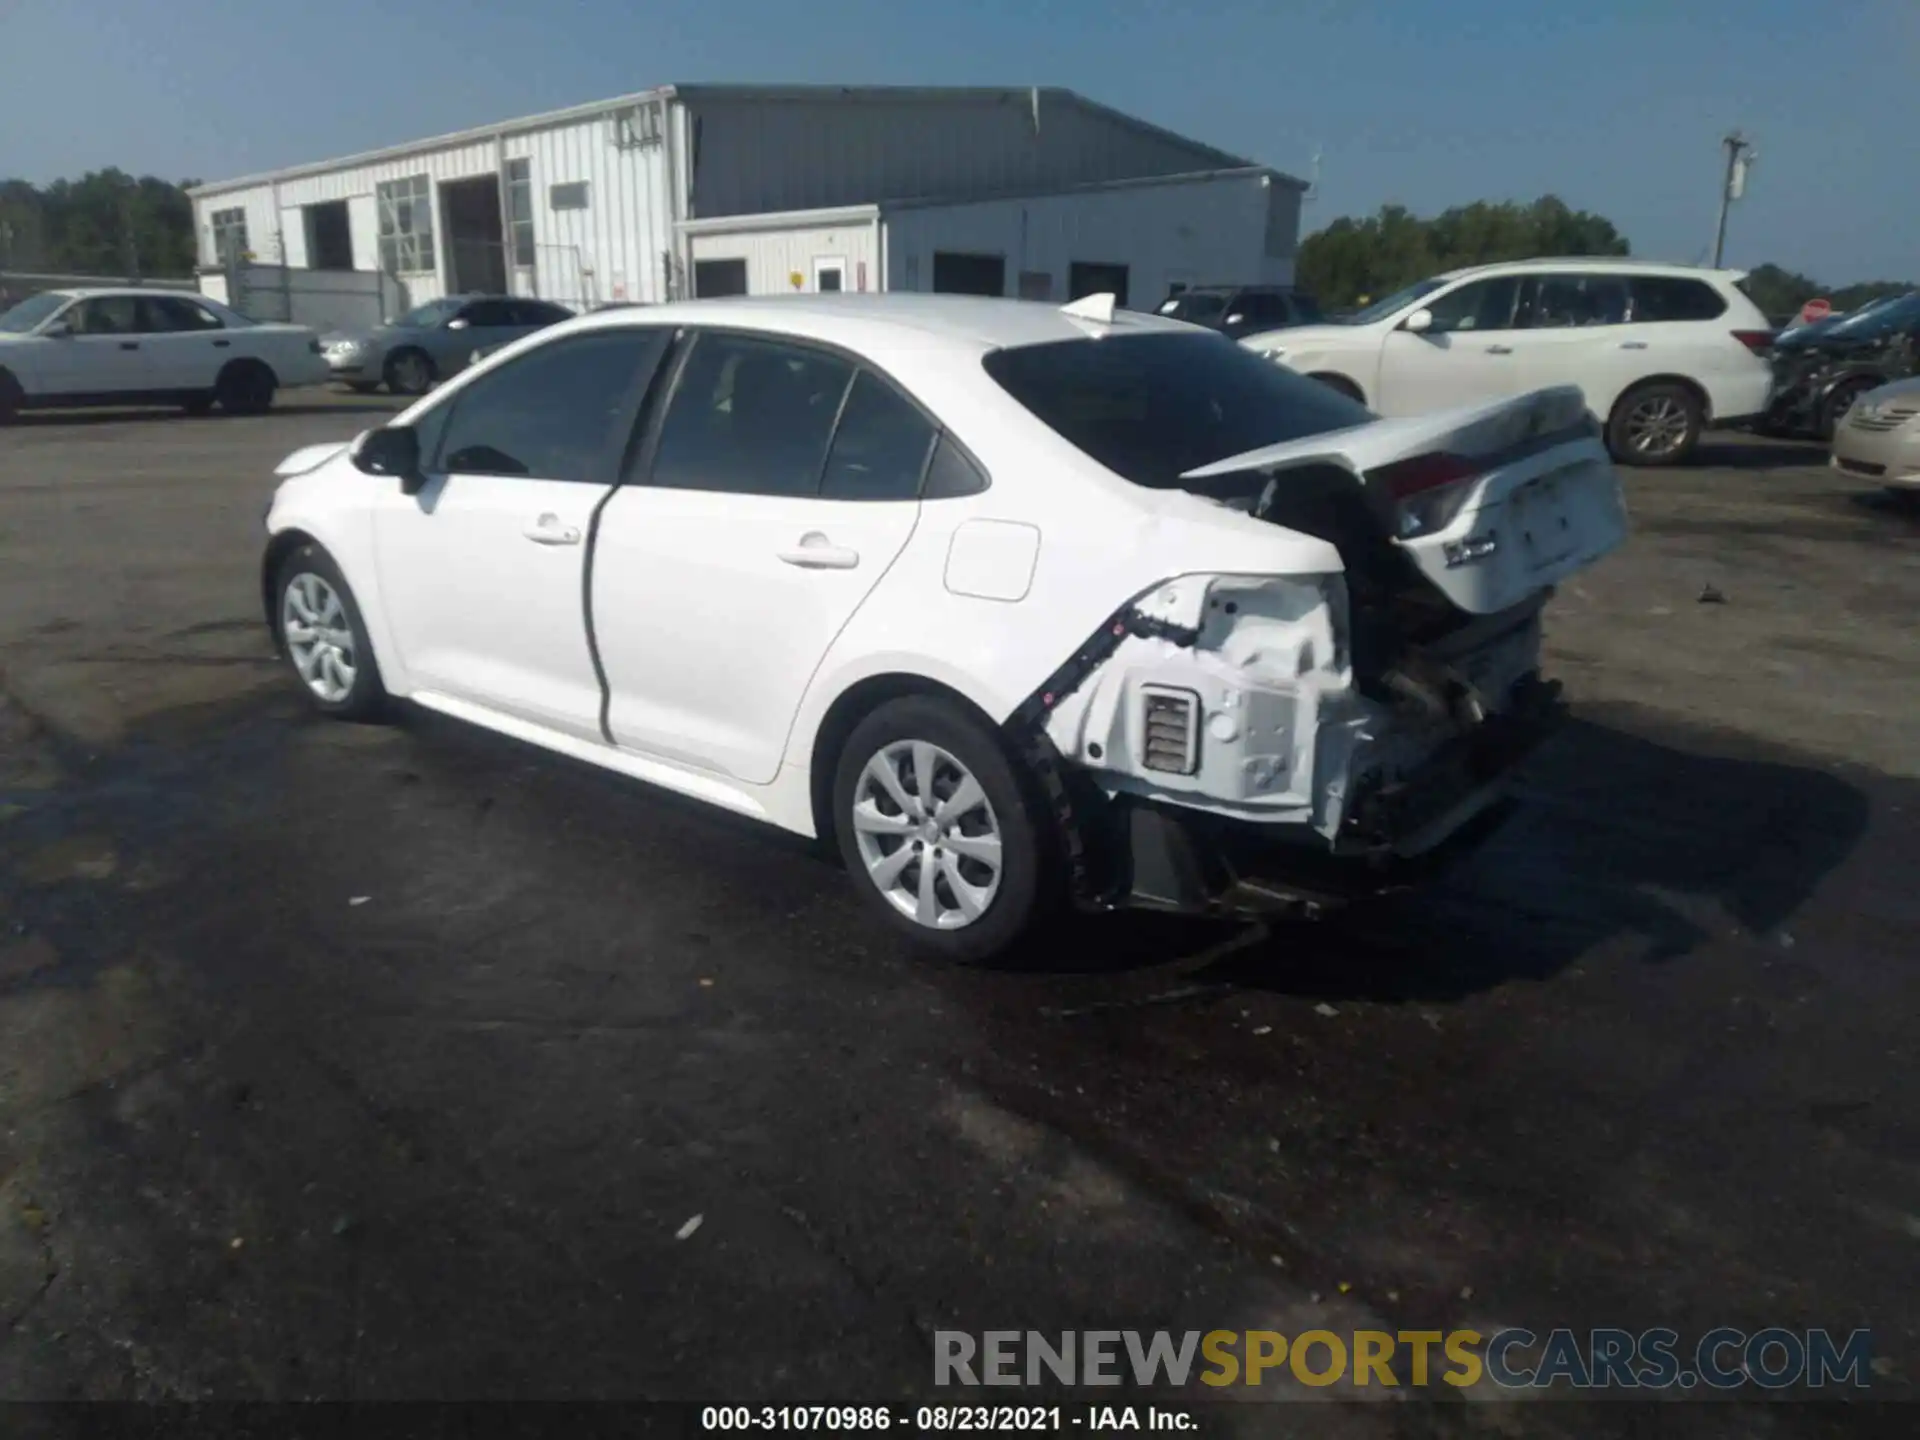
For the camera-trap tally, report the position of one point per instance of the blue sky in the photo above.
(1615, 105)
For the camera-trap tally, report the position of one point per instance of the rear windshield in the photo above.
(1151, 407)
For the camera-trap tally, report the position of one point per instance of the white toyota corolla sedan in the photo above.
(1020, 607)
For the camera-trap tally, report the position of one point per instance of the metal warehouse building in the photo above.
(730, 189)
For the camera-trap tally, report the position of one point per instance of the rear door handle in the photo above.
(1633, 344)
(1499, 349)
(548, 530)
(129, 344)
(816, 552)
(221, 344)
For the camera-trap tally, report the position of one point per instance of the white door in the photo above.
(1576, 334)
(1468, 354)
(761, 527)
(103, 354)
(829, 274)
(482, 572)
(186, 343)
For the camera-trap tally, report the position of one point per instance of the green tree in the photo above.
(105, 223)
(1372, 256)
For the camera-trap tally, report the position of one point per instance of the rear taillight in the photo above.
(1426, 491)
(1758, 341)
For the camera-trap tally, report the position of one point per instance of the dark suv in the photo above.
(1238, 310)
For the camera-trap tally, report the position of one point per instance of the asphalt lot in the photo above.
(389, 1062)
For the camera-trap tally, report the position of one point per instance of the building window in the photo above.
(520, 209)
(406, 225)
(229, 237)
(570, 196)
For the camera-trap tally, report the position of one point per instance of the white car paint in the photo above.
(1399, 372)
(53, 367)
(727, 626)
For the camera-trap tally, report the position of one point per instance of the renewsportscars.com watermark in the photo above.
(1511, 1359)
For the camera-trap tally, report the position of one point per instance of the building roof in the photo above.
(853, 94)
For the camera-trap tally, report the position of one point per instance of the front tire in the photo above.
(323, 637)
(1655, 424)
(1841, 401)
(11, 397)
(939, 832)
(410, 372)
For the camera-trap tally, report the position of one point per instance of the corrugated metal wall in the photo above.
(773, 257)
(614, 248)
(1198, 232)
(770, 154)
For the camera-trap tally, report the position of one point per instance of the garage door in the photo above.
(956, 274)
(719, 277)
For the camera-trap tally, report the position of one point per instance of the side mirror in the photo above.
(58, 330)
(459, 322)
(1418, 323)
(392, 450)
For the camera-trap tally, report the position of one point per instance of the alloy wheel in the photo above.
(318, 636)
(927, 834)
(1657, 426)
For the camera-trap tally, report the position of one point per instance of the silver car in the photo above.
(432, 341)
(1879, 437)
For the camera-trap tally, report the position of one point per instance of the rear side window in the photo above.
(1150, 407)
(879, 447)
(750, 416)
(1674, 297)
(1561, 302)
(559, 412)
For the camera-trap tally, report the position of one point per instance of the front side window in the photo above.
(406, 225)
(1477, 305)
(1393, 304)
(537, 312)
(750, 416)
(488, 314)
(107, 315)
(429, 315)
(1151, 407)
(1198, 307)
(879, 447)
(1260, 309)
(560, 412)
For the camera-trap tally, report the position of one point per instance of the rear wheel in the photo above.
(10, 397)
(324, 638)
(410, 372)
(1655, 424)
(938, 831)
(245, 388)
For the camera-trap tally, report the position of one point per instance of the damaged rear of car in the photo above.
(1238, 742)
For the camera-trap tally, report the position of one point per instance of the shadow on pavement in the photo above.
(1618, 836)
(1760, 453)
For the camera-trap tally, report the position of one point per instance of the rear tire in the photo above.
(1658, 423)
(409, 372)
(245, 387)
(972, 874)
(10, 397)
(323, 637)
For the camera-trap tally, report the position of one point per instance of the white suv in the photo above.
(1660, 351)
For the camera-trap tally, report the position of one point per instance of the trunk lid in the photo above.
(1492, 503)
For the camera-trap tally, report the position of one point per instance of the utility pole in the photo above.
(1733, 186)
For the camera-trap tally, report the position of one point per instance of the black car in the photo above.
(1237, 310)
(1817, 375)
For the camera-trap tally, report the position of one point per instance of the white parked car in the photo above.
(1016, 605)
(1660, 352)
(65, 348)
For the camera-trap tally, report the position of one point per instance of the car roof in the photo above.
(968, 322)
(97, 292)
(1594, 264)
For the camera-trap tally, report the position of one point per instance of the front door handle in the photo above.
(129, 344)
(548, 530)
(1633, 344)
(816, 552)
(1499, 349)
(221, 344)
